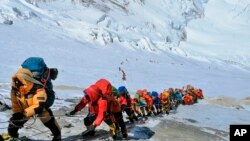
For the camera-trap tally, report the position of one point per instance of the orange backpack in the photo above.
(188, 99)
(199, 93)
(164, 95)
(105, 90)
(104, 86)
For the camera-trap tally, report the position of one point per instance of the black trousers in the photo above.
(1, 138)
(120, 122)
(17, 121)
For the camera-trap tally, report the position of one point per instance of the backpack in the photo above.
(105, 88)
(39, 69)
(43, 74)
(34, 64)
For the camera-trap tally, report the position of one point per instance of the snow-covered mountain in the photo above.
(159, 44)
(136, 24)
(222, 34)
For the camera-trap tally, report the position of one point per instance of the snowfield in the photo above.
(163, 44)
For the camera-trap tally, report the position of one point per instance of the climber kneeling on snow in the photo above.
(99, 109)
(28, 98)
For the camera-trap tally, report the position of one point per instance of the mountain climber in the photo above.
(119, 122)
(165, 101)
(141, 103)
(125, 101)
(43, 74)
(187, 99)
(28, 98)
(199, 93)
(157, 102)
(191, 91)
(101, 107)
(149, 101)
(177, 96)
(135, 107)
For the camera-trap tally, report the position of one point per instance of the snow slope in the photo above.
(223, 33)
(93, 39)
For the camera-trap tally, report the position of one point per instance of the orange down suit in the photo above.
(24, 99)
(28, 98)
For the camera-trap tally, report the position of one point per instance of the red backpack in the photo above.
(105, 88)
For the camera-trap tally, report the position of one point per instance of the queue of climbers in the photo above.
(32, 94)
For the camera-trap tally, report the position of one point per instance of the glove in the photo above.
(91, 127)
(90, 130)
(71, 113)
(17, 119)
(18, 116)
